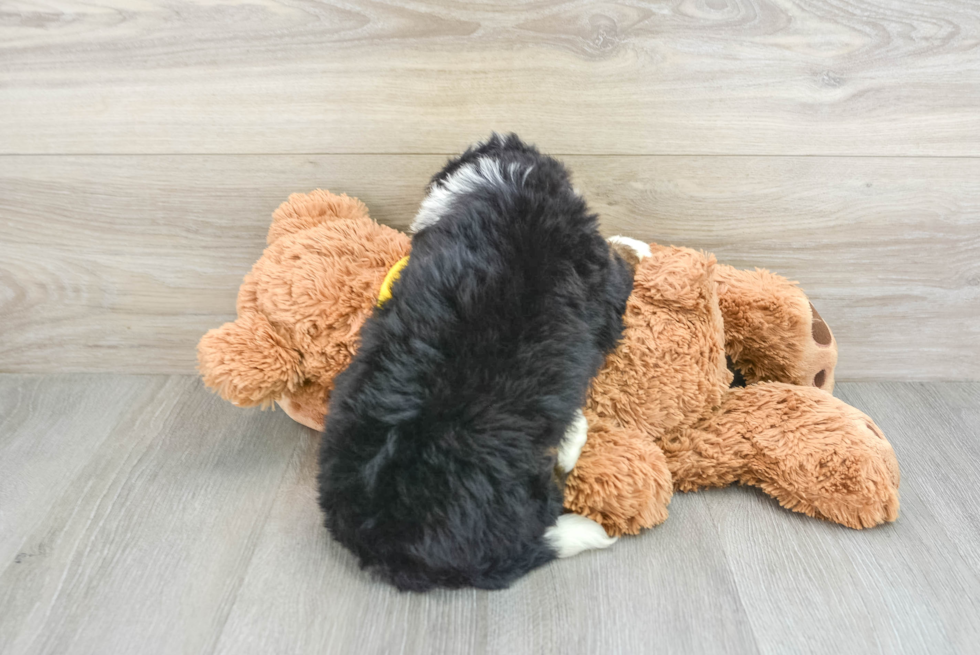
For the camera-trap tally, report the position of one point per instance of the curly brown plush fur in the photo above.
(301, 307)
(668, 384)
(661, 414)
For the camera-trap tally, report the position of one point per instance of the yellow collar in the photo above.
(384, 294)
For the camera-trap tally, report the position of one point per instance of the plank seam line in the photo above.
(453, 154)
(219, 633)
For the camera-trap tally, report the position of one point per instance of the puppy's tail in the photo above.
(574, 533)
(439, 567)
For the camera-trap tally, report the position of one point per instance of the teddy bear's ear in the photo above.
(305, 210)
(247, 362)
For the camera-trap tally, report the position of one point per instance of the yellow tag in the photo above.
(384, 294)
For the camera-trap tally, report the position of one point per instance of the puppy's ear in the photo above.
(247, 362)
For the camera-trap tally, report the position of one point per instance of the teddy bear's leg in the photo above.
(668, 370)
(620, 480)
(772, 331)
(302, 211)
(812, 452)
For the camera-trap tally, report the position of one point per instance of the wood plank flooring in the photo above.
(142, 514)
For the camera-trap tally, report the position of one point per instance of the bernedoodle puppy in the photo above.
(447, 436)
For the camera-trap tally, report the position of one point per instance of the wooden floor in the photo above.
(141, 514)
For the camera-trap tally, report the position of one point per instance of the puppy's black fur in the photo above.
(439, 449)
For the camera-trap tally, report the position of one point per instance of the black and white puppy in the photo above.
(442, 437)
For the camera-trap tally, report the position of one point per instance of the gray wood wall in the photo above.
(144, 145)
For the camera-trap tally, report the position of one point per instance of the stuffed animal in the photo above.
(663, 412)
(301, 307)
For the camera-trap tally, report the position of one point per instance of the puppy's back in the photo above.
(437, 464)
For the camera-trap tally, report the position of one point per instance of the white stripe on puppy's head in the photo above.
(466, 179)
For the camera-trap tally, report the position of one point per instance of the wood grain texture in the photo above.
(765, 77)
(144, 549)
(121, 263)
(325, 604)
(912, 586)
(192, 527)
(36, 466)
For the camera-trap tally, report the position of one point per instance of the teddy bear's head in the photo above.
(301, 307)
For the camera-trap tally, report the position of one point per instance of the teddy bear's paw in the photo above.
(303, 414)
(864, 492)
(307, 403)
(772, 330)
(841, 467)
(621, 480)
(818, 355)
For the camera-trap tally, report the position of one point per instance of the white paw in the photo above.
(574, 533)
(573, 442)
(641, 249)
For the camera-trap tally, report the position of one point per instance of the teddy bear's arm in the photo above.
(247, 362)
(772, 331)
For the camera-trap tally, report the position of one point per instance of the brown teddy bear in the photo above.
(662, 413)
